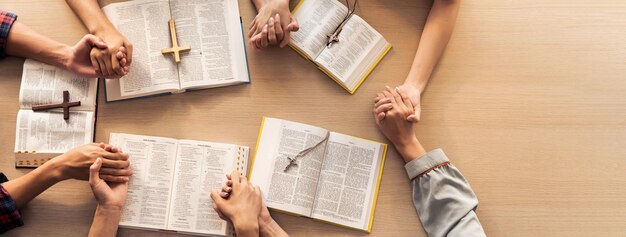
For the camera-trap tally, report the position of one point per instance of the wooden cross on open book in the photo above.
(175, 49)
(66, 105)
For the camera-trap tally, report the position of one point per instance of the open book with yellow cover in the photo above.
(348, 61)
(312, 172)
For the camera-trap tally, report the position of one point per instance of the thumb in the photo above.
(414, 118)
(94, 41)
(216, 198)
(94, 172)
(293, 25)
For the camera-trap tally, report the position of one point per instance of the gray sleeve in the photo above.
(443, 199)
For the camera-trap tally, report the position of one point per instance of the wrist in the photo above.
(54, 171)
(245, 227)
(109, 210)
(409, 149)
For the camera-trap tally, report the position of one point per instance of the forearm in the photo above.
(271, 229)
(437, 32)
(26, 188)
(25, 42)
(92, 16)
(105, 222)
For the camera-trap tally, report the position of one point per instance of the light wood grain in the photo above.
(529, 102)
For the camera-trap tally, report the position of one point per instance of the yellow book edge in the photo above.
(380, 174)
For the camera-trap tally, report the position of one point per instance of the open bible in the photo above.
(172, 181)
(348, 61)
(310, 171)
(211, 27)
(40, 136)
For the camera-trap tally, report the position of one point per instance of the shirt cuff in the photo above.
(424, 164)
(6, 21)
(10, 216)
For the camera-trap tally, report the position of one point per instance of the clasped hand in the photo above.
(93, 57)
(272, 25)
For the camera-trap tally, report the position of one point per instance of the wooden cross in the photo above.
(175, 49)
(65, 105)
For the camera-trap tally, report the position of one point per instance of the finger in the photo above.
(380, 116)
(94, 62)
(217, 199)
(286, 38)
(257, 41)
(224, 194)
(279, 29)
(103, 67)
(94, 172)
(382, 101)
(117, 164)
(115, 155)
(129, 53)
(229, 183)
(117, 68)
(252, 31)
(227, 189)
(236, 178)
(219, 213)
(264, 36)
(114, 178)
(116, 172)
(383, 108)
(379, 96)
(228, 177)
(389, 95)
(293, 25)
(396, 96)
(271, 32)
(252, 28)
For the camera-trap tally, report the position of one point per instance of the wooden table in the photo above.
(529, 102)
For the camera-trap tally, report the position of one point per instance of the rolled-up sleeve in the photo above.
(443, 198)
(10, 216)
(6, 22)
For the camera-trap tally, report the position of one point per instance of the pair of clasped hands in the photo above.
(272, 25)
(108, 55)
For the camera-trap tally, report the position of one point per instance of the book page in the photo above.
(317, 19)
(44, 84)
(149, 189)
(292, 190)
(145, 24)
(200, 168)
(356, 41)
(348, 181)
(213, 30)
(48, 132)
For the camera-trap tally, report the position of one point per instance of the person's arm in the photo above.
(19, 40)
(99, 25)
(437, 31)
(442, 197)
(272, 25)
(73, 164)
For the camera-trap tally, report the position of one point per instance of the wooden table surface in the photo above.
(529, 102)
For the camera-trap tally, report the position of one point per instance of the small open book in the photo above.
(334, 178)
(39, 136)
(348, 61)
(172, 182)
(213, 30)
